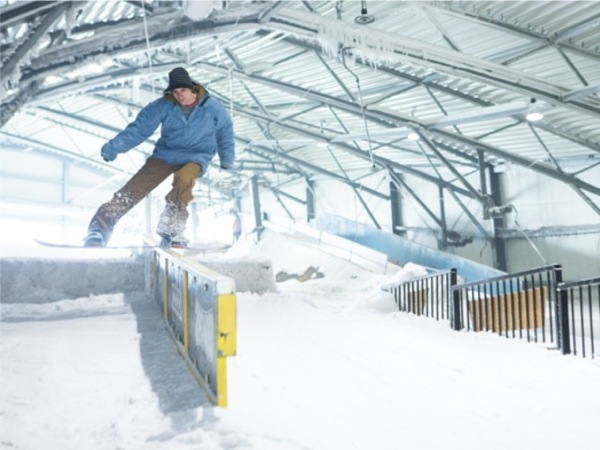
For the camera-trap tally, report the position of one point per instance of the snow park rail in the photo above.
(199, 307)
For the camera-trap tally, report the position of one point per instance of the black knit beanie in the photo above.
(179, 78)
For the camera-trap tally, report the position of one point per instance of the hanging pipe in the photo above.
(362, 108)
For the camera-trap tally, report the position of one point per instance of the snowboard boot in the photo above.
(168, 241)
(94, 238)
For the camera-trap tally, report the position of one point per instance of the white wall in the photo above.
(40, 197)
(567, 228)
(334, 197)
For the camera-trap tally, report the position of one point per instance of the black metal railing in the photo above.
(582, 302)
(534, 305)
(522, 305)
(428, 295)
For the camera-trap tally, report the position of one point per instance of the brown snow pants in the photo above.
(173, 218)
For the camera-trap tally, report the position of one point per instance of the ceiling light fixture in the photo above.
(534, 113)
(364, 18)
(534, 116)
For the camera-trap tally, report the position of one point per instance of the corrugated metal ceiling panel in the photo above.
(290, 95)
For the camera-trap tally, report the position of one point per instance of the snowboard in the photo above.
(108, 247)
(202, 247)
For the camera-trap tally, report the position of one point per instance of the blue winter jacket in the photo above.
(207, 131)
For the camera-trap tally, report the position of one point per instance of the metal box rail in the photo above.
(199, 307)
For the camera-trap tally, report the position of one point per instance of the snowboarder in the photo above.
(195, 127)
(236, 228)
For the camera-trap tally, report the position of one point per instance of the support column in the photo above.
(195, 221)
(148, 215)
(396, 205)
(443, 241)
(499, 222)
(310, 200)
(258, 217)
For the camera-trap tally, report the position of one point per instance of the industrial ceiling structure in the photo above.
(318, 89)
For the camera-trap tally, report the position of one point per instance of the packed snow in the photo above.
(323, 364)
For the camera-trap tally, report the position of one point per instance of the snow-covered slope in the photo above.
(325, 363)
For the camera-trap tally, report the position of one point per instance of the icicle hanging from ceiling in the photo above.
(371, 46)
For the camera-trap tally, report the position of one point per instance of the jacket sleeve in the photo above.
(225, 138)
(144, 125)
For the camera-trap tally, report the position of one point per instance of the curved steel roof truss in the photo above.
(314, 93)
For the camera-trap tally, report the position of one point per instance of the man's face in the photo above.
(184, 96)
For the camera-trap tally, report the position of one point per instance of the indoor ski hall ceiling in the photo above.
(317, 89)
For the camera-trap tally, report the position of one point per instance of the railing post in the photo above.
(562, 314)
(456, 319)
